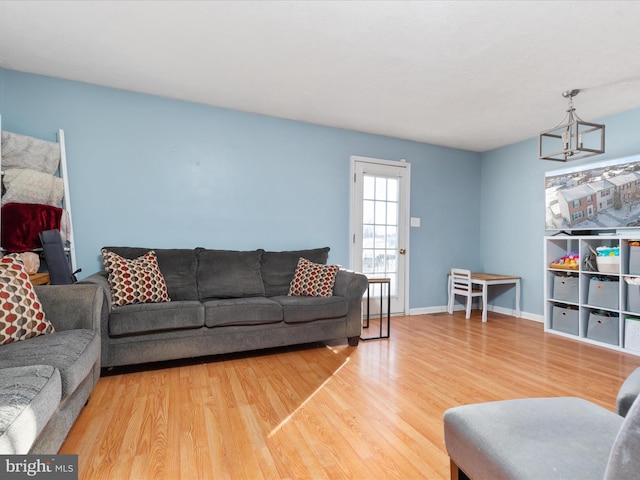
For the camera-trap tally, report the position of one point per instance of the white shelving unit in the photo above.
(70, 249)
(590, 305)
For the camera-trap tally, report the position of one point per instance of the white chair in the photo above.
(460, 284)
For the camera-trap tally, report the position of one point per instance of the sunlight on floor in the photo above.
(292, 414)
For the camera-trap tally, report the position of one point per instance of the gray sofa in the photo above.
(546, 438)
(45, 381)
(225, 301)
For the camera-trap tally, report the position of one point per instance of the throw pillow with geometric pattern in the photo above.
(135, 281)
(21, 314)
(313, 279)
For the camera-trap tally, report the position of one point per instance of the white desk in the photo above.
(487, 279)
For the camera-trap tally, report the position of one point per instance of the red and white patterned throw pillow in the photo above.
(21, 314)
(135, 281)
(313, 279)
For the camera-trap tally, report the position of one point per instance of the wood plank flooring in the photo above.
(374, 411)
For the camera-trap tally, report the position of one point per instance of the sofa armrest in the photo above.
(628, 392)
(101, 280)
(70, 307)
(352, 285)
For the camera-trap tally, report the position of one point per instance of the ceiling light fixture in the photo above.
(571, 139)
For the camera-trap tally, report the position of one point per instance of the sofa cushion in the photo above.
(307, 309)
(137, 280)
(21, 315)
(155, 317)
(229, 274)
(241, 311)
(277, 268)
(72, 352)
(313, 279)
(531, 438)
(178, 266)
(29, 396)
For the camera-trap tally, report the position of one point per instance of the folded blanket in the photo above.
(23, 222)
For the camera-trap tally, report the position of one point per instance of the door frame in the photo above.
(402, 163)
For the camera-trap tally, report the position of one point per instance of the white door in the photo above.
(380, 206)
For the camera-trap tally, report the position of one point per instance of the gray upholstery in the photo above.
(178, 267)
(46, 380)
(229, 274)
(72, 352)
(241, 311)
(624, 461)
(536, 438)
(628, 392)
(153, 317)
(278, 268)
(29, 396)
(236, 292)
(306, 309)
(543, 438)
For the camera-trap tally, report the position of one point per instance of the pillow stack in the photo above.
(29, 166)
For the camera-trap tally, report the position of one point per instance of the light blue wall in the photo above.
(513, 205)
(155, 172)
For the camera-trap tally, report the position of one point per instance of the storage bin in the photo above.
(603, 293)
(634, 260)
(604, 328)
(632, 333)
(633, 297)
(564, 319)
(565, 288)
(609, 264)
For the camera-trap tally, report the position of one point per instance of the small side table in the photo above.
(381, 282)
(39, 279)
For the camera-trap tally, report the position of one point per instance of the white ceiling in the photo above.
(468, 74)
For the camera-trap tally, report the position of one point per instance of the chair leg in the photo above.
(450, 304)
(469, 307)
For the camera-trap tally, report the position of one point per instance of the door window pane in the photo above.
(368, 186)
(380, 229)
(368, 207)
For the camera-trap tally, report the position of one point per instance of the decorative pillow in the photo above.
(21, 314)
(313, 279)
(21, 151)
(23, 185)
(277, 268)
(135, 281)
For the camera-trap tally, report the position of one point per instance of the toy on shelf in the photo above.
(568, 262)
(608, 251)
(608, 259)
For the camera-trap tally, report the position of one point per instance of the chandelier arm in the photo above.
(563, 123)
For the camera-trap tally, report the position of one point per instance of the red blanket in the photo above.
(22, 223)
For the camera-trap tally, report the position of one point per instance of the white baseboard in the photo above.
(504, 311)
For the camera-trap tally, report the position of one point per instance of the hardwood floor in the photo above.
(374, 411)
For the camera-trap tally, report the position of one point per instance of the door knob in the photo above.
(402, 251)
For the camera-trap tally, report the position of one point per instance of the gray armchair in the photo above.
(546, 438)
